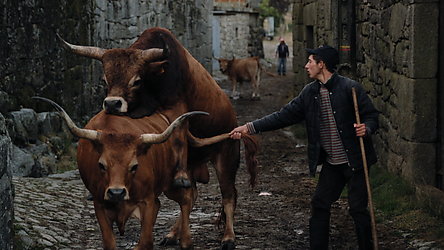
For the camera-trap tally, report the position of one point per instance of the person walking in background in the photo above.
(326, 106)
(282, 53)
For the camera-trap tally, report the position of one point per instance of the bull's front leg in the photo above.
(106, 226)
(254, 89)
(172, 238)
(186, 205)
(255, 82)
(180, 231)
(149, 209)
(234, 93)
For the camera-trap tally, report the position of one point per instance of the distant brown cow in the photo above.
(157, 73)
(243, 69)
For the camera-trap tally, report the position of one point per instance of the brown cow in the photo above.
(127, 163)
(157, 73)
(243, 69)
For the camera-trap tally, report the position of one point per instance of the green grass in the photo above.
(394, 200)
(392, 194)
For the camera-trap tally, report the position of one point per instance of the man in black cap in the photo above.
(326, 106)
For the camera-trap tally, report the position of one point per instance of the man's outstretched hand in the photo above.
(236, 133)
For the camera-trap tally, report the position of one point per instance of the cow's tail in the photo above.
(251, 149)
(262, 69)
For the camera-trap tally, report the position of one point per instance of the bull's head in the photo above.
(225, 65)
(124, 72)
(118, 154)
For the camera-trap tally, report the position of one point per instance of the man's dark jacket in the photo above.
(306, 107)
(282, 50)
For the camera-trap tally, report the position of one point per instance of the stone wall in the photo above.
(234, 38)
(311, 29)
(397, 64)
(396, 61)
(118, 23)
(6, 189)
(34, 63)
(240, 30)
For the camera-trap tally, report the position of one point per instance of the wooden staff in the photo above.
(364, 161)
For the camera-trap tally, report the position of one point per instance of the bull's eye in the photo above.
(137, 83)
(104, 83)
(102, 167)
(134, 168)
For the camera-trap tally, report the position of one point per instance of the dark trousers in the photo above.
(332, 181)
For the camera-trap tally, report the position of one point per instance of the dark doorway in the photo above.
(309, 39)
(440, 165)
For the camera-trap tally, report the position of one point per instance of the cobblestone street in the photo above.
(53, 212)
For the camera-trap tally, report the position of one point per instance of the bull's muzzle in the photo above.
(116, 194)
(115, 105)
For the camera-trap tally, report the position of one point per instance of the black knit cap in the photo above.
(328, 54)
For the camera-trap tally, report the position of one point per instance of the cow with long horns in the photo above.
(157, 73)
(127, 163)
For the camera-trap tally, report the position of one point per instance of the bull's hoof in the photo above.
(182, 182)
(187, 248)
(228, 245)
(168, 242)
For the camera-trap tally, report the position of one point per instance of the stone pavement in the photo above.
(53, 213)
(50, 212)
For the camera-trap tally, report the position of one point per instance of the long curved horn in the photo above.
(91, 52)
(201, 142)
(152, 54)
(82, 133)
(159, 138)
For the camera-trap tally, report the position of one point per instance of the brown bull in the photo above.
(243, 69)
(158, 73)
(127, 163)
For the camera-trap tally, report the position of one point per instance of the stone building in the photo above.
(236, 30)
(394, 48)
(34, 63)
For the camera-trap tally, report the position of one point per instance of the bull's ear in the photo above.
(157, 68)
